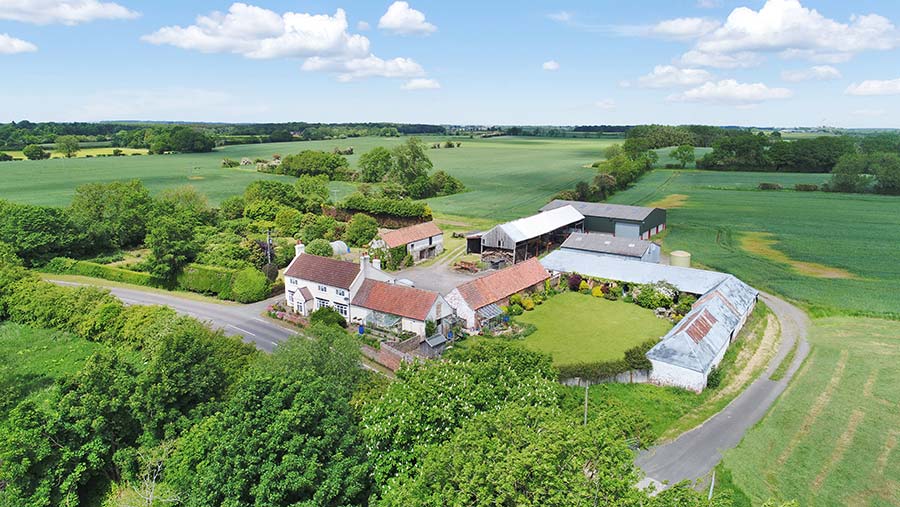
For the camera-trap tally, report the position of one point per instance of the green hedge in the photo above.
(635, 359)
(385, 206)
(210, 280)
(65, 266)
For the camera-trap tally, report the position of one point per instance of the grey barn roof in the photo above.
(606, 243)
(542, 223)
(601, 209)
(695, 281)
(696, 341)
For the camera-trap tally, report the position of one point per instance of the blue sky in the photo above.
(746, 62)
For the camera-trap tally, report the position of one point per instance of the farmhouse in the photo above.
(685, 356)
(422, 241)
(386, 305)
(312, 282)
(612, 246)
(478, 302)
(616, 219)
(696, 345)
(532, 236)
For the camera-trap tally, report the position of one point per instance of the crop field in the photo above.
(836, 253)
(506, 177)
(82, 153)
(832, 438)
(577, 328)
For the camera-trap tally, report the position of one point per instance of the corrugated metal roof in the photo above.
(606, 243)
(695, 281)
(602, 209)
(542, 223)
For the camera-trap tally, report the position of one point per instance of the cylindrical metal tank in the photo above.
(680, 258)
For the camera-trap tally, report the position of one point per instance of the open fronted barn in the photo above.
(532, 236)
(616, 219)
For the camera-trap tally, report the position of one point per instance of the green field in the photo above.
(506, 177)
(837, 253)
(577, 328)
(32, 359)
(83, 152)
(832, 438)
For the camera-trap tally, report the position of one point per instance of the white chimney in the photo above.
(376, 263)
(299, 248)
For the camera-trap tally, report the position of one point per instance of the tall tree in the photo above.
(684, 154)
(67, 145)
(113, 214)
(375, 164)
(171, 243)
(410, 161)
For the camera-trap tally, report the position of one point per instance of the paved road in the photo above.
(235, 320)
(693, 454)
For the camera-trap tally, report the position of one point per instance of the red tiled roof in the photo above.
(323, 270)
(395, 299)
(307, 295)
(407, 235)
(504, 283)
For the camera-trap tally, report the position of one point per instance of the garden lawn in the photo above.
(578, 328)
(31, 360)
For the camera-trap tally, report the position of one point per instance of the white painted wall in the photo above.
(666, 374)
(463, 311)
(332, 296)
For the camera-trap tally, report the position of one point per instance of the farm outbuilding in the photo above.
(531, 236)
(616, 219)
(607, 244)
(422, 241)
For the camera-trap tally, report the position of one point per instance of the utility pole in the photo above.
(586, 386)
(269, 246)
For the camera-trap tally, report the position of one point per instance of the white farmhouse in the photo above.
(387, 305)
(312, 282)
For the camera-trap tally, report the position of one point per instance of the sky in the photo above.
(777, 63)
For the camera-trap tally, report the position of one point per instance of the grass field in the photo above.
(832, 437)
(82, 153)
(32, 359)
(808, 237)
(506, 177)
(577, 328)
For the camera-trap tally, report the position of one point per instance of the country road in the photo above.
(695, 453)
(233, 319)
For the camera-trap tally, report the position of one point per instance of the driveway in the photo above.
(694, 454)
(234, 319)
(440, 276)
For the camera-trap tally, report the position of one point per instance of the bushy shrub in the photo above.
(806, 187)
(685, 303)
(769, 186)
(320, 247)
(207, 280)
(652, 296)
(527, 304)
(360, 230)
(250, 285)
(537, 298)
(574, 282)
(514, 310)
(597, 291)
(714, 379)
(584, 287)
(636, 357)
(515, 299)
(228, 162)
(327, 316)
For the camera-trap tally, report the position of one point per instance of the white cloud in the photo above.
(550, 65)
(363, 26)
(402, 19)
(11, 45)
(322, 40)
(370, 66)
(561, 16)
(67, 12)
(666, 76)
(255, 32)
(605, 104)
(720, 61)
(684, 28)
(875, 87)
(816, 72)
(708, 4)
(729, 91)
(421, 84)
(787, 28)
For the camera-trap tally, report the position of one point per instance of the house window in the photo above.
(342, 309)
(430, 239)
(290, 296)
(322, 303)
(323, 288)
(340, 292)
(293, 281)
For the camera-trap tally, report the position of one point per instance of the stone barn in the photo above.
(616, 219)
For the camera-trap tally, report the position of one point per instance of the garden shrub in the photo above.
(515, 299)
(769, 186)
(685, 303)
(537, 298)
(593, 372)
(327, 316)
(574, 282)
(249, 286)
(714, 379)
(583, 287)
(430, 327)
(320, 247)
(527, 304)
(597, 291)
(514, 310)
(653, 296)
(207, 280)
(806, 187)
(636, 357)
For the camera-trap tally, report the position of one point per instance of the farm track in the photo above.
(694, 454)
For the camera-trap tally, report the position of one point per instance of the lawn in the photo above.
(32, 359)
(506, 177)
(791, 243)
(832, 438)
(577, 328)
